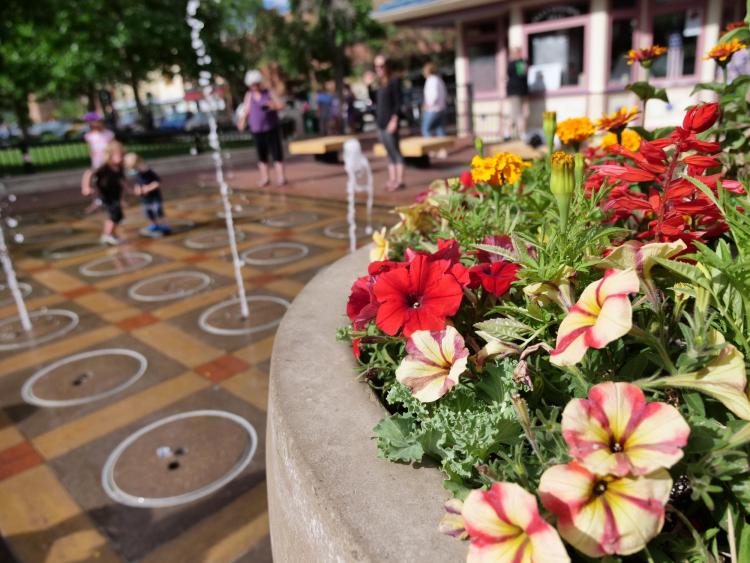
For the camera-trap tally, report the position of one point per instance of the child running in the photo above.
(147, 185)
(109, 181)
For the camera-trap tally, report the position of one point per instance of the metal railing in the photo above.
(18, 157)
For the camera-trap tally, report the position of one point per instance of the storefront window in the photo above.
(622, 42)
(483, 66)
(556, 59)
(679, 31)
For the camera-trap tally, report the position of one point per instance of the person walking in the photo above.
(387, 115)
(517, 89)
(261, 115)
(435, 100)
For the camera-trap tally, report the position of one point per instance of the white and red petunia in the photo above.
(605, 515)
(615, 431)
(602, 314)
(504, 525)
(435, 360)
(640, 257)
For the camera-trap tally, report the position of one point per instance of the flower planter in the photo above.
(330, 497)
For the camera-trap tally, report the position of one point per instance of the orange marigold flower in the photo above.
(503, 168)
(630, 140)
(575, 130)
(731, 26)
(723, 52)
(618, 120)
(645, 56)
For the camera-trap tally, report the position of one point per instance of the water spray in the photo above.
(204, 81)
(10, 272)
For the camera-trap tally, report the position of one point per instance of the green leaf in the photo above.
(685, 270)
(397, 440)
(695, 403)
(713, 86)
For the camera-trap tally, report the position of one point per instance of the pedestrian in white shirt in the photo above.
(435, 100)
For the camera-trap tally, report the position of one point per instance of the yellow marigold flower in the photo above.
(645, 56)
(723, 52)
(630, 140)
(575, 130)
(618, 120)
(503, 168)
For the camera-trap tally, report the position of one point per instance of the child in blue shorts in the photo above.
(147, 186)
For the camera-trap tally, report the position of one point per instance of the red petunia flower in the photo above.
(495, 278)
(419, 296)
(467, 181)
(362, 306)
(448, 249)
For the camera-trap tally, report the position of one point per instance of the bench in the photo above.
(416, 150)
(526, 152)
(325, 149)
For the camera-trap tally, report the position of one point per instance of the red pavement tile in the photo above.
(139, 321)
(17, 459)
(77, 292)
(38, 269)
(262, 279)
(284, 233)
(222, 368)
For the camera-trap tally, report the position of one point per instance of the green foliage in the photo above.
(646, 92)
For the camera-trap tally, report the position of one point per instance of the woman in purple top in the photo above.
(260, 114)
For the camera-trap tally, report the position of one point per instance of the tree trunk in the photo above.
(90, 97)
(137, 96)
(21, 109)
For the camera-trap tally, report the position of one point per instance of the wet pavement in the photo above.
(133, 427)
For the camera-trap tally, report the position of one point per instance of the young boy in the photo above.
(147, 184)
(109, 181)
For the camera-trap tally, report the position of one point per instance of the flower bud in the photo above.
(578, 169)
(550, 126)
(479, 145)
(562, 183)
(701, 117)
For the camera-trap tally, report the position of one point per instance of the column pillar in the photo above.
(597, 63)
(462, 79)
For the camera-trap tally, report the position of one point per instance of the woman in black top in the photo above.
(387, 110)
(516, 91)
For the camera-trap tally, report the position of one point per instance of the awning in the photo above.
(412, 11)
(195, 94)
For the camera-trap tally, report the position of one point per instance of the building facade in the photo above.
(576, 51)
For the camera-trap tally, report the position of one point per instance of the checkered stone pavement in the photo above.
(54, 507)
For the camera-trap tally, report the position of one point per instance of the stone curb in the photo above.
(330, 497)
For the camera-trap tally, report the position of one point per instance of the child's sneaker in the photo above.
(164, 229)
(110, 240)
(153, 229)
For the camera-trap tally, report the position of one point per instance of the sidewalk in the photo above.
(307, 178)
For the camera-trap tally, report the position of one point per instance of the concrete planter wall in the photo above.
(330, 497)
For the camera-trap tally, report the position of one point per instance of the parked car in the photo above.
(175, 121)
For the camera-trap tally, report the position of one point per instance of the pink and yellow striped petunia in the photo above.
(505, 526)
(602, 314)
(615, 431)
(435, 360)
(605, 515)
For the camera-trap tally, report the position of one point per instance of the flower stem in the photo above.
(656, 344)
(693, 532)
